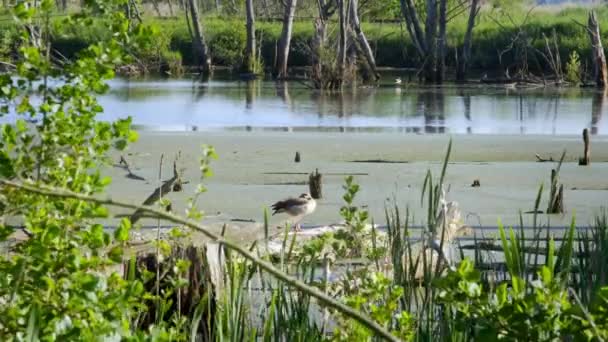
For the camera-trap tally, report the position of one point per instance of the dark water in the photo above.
(184, 104)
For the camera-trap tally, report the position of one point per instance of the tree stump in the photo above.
(315, 184)
(556, 198)
(586, 158)
(297, 158)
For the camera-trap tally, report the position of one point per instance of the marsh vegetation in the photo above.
(71, 278)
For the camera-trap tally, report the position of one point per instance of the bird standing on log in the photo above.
(297, 208)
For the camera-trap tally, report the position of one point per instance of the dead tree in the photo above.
(430, 34)
(198, 40)
(441, 41)
(362, 40)
(326, 10)
(250, 59)
(285, 41)
(465, 53)
(599, 59)
(342, 41)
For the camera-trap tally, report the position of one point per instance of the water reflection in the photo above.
(597, 108)
(431, 105)
(259, 104)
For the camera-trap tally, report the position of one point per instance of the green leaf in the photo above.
(6, 166)
(116, 253)
(122, 232)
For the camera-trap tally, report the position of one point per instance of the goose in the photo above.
(297, 207)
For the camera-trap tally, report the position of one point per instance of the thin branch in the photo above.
(265, 265)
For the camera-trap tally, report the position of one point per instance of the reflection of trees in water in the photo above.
(282, 89)
(198, 91)
(552, 107)
(251, 88)
(466, 102)
(431, 104)
(597, 107)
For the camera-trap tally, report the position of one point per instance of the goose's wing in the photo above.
(293, 206)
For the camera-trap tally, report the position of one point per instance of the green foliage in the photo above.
(573, 69)
(61, 283)
(227, 44)
(378, 298)
(494, 32)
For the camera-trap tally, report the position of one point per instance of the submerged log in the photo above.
(315, 184)
(586, 158)
(599, 58)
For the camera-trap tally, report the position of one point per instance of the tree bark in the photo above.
(198, 40)
(284, 43)
(599, 59)
(171, 12)
(465, 54)
(249, 60)
(441, 41)
(363, 43)
(413, 26)
(156, 8)
(430, 27)
(342, 38)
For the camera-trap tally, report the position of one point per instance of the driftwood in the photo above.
(542, 160)
(125, 165)
(165, 188)
(586, 158)
(315, 184)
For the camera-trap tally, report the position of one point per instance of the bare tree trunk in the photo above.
(465, 55)
(599, 59)
(248, 63)
(342, 37)
(198, 40)
(170, 3)
(284, 43)
(317, 47)
(431, 41)
(156, 8)
(366, 49)
(441, 41)
(413, 26)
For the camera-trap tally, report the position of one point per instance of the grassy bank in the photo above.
(493, 36)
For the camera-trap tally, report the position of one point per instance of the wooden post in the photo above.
(315, 184)
(586, 158)
(297, 158)
(599, 58)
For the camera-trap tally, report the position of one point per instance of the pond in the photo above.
(226, 103)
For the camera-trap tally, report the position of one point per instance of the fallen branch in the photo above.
(265, 265)
(165, 188)
(125, 165)
(542, 160)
